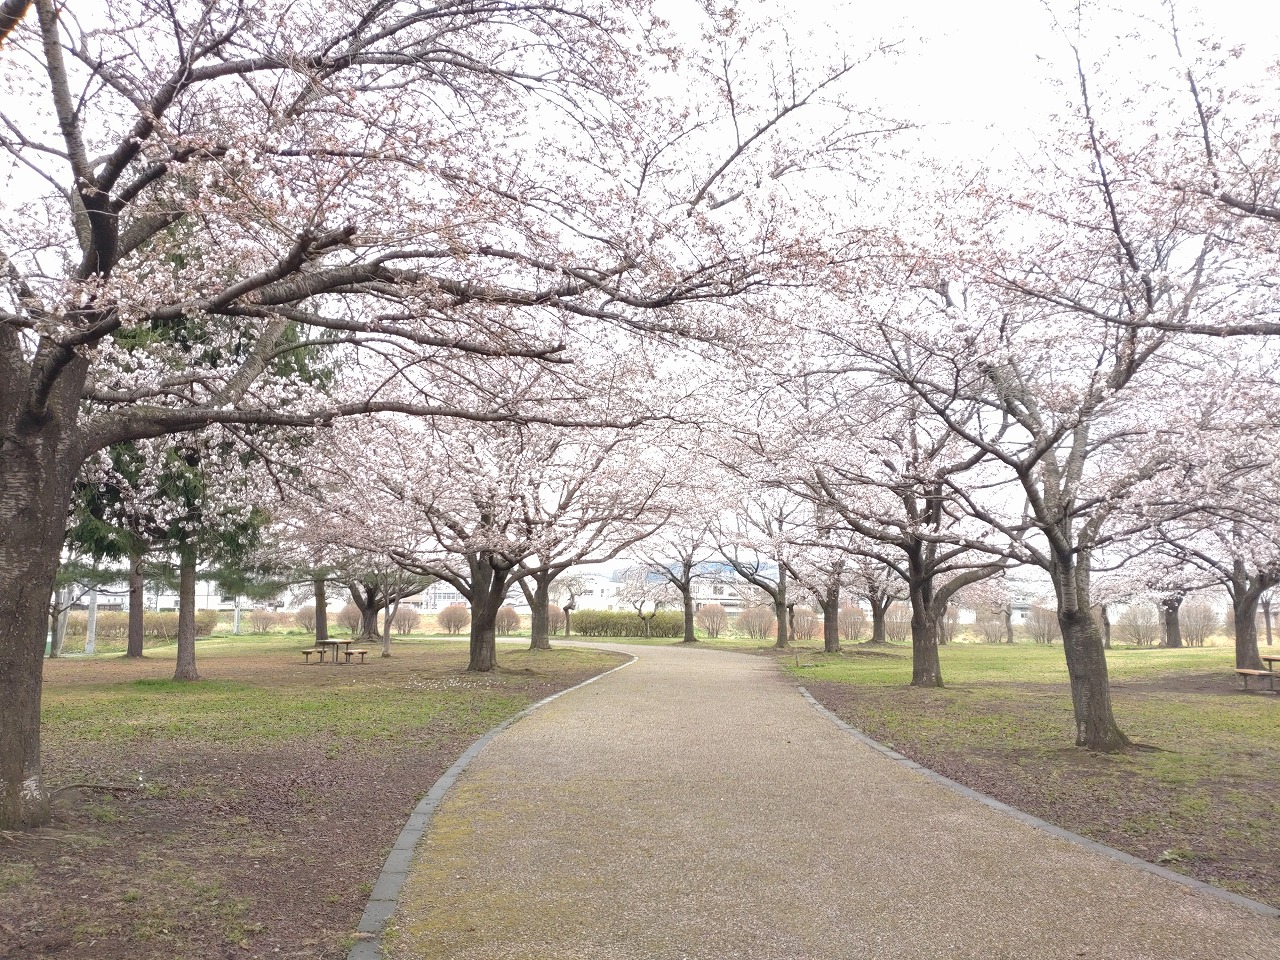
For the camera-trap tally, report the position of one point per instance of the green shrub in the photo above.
(624, 623)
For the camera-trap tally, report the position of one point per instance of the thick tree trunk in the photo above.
(926, 670)
(369, 624)
(137, 606)
(539, 599)
(1096, 727)
(686, 595)
(186, 669)
(1244, 614)
(879, 610)
(91, 625)
(1008, 623)
(322, 611)
(484, 638)
(1169, 610)
(30, 540)
(830, 605)
(41, 451)
(488, 590)
(1104, 618)
(567, 610)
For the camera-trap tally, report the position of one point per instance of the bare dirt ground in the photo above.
(261, 847)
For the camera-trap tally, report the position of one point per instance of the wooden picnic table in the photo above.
(1269, 676)
(335, 644)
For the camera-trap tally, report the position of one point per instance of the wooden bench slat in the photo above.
(1244, 673)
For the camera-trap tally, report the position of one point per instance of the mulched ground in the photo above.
(245, 851)
(1196, 828)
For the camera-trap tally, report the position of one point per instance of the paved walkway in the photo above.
(694, 805)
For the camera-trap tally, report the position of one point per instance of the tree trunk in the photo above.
(322, 611)
(369, 623)
(1008, 623)
(926, 670)
(186, 669)
(686, 595)
(539, 599)
(235, 617)
(831, 619)
(1266, 616)
(137, 606)
(780, 611)
(1082, 644)
(58, 621)
(388, 619)
(488, 590)
(1169, 610)
(91, 624)
(31, 529)
(1096, 727)
(567, 610)
(41, 451)
(879, 609)
(1244, 614)
(1104, 618)
(943, 630)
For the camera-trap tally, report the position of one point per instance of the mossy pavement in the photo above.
(695, 805)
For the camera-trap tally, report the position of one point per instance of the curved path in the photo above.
(694, 805)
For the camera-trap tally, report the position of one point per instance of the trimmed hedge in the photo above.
(624, 623)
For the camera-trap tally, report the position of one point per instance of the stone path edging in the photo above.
(1044, 825)
(382, 901)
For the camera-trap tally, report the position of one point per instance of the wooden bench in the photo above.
(352, 653)
(306, 654)
(1270, 676)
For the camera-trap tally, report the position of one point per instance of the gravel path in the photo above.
(694, 805)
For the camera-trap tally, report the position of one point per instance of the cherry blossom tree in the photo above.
(410, 192)
(680, 552)
(755, 539)
(482, 507)
(881, 468)
(821, 565)
(879, 585)
(597, 496)
(645, 592)
(1053, 306)
(1236, 549)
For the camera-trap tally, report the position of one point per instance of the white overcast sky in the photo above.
(971, 64)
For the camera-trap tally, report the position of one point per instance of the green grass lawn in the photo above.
(247, 813)
(288, 699)
(1198, 793)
